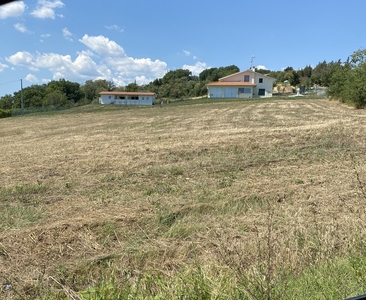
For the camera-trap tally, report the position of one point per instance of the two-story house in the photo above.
(245, 84)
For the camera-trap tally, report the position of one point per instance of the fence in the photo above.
(35, 110)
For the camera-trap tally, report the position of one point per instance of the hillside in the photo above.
(195, 199)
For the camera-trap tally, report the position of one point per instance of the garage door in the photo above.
(215, 92)
(230, 93)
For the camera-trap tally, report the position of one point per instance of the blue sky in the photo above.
(127, 40)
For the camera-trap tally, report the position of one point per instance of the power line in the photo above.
(9, 82)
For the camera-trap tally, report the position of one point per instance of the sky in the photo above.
(124, 41)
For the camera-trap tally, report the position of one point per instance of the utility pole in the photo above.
(21, 96)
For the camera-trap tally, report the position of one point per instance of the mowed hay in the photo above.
(155, 189)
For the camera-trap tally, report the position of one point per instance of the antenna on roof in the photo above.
(251, 62)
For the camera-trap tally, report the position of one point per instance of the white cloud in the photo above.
(186, 53)
(118, 81)
(46, 9)
(47, 35)
(104, 60)
(102, 45)
(197, 68)
(61, 66)
(67, 34)
(141, 80)
(46, 80)
(260, 67)
(31, 78)
(21, 59)
(21, 27)
(13, 9)
(3, 67)
(130, 67)
(114, 27)
(115, 59)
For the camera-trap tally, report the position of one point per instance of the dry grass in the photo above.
(160, 188)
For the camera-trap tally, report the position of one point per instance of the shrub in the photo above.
(5, 113)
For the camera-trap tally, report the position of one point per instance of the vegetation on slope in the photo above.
(344, 79)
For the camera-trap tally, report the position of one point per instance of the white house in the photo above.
(245, 84)
(127, 98)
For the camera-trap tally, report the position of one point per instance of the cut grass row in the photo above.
(229, 200)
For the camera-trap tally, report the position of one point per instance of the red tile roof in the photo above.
(230, 83)
(128, 93)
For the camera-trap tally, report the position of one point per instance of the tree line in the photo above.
(346, 81)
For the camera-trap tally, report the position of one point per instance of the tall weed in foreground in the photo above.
(263, 271)
(291, 266)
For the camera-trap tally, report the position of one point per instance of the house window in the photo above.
(261, 92)
(246, 78)
(245, 90)
(260, 80)
(122, 97)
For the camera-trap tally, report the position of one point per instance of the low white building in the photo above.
(127, 98)
(245, 84)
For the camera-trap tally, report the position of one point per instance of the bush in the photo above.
(5, 113)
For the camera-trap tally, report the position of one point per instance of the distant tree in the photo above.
(6, 102)
(177, 74)
(57, 99)
(306, 72)
(339, 87)
(213, 74)
(33, 96)
(288, 69)
(279, 75)
(71, 90)
(295, 78)
(91, 89)
(262, 71)
(320, 74)
(132, 87)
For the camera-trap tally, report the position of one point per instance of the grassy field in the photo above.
(225, 200)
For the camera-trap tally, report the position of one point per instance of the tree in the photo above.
(91, 89)
(306, 72)
(70, 89)
(322, 73)
(213, 74)
(132, 87)
(288, 69)
(295, 78)
(177, 74)
(348, 80)
(56, 99)
(6, 102)
(32, 95)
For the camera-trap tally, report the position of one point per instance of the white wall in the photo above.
(110, 99)
(228, 92)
